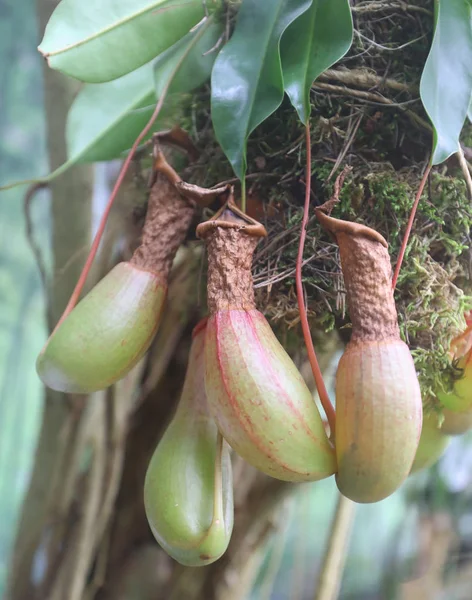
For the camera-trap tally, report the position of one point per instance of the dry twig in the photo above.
(373, 98)
(386, 5)
(336, 552)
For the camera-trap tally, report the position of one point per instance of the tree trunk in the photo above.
(71, 204)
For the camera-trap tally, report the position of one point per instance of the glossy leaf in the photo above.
(106, 118)
(310, 45)
(446, 83)
(196, 53)
(100, 41)
(247, 84)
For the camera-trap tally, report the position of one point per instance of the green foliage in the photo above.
(310, 45)
(106, 118)
(100, 41)
(246, 83)
(446, 83)
(276, 46)
(429, 298)
(247, 79)
(189, 62)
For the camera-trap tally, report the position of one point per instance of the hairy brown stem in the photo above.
(367, 276)
(230, 283)
(168, 218)
(231, 239)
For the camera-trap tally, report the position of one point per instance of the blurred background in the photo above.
(22, 310)
(416, 544)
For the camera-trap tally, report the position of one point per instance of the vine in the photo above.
(253, 54)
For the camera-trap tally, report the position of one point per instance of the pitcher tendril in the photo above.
(101, 228)
(315, 367)
(409, 226)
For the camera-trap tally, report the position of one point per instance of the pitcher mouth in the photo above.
(229, 216)
(335, 226)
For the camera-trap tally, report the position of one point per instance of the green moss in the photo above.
(387, 153)
(430, 301)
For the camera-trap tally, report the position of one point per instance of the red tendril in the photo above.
(103, 221)
(406, 237)
(315, 367)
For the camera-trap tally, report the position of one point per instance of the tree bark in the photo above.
(71, 202)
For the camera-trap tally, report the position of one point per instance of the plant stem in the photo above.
(410, 225)
(336, 551)
(243, 194)
(277, 554)
(315, 367)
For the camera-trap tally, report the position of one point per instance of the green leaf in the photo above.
(195, 67)
(446, 83)
(246, 82)
(100, 40)
(310, 45)
(106, 118)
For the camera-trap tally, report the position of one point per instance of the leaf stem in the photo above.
(42, 180)
(465, 170)
(315, 367)
(409, 226)
(243, 194)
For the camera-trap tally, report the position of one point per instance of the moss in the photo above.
(387, 153)
(430, 302)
